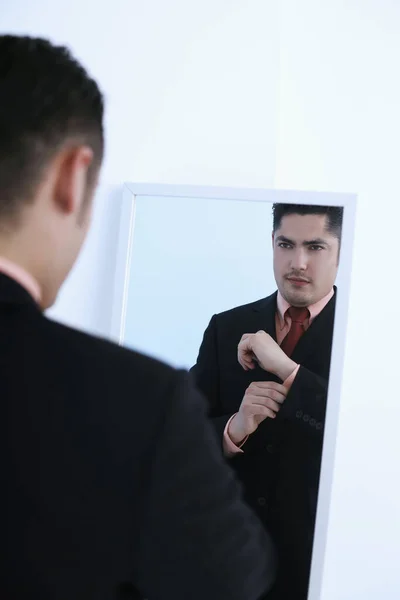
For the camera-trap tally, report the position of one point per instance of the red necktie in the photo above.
(298, 316)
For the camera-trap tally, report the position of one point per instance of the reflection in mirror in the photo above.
(243, 293)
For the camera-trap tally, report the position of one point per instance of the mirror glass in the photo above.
(192, 258)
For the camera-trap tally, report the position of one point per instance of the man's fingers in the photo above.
(267, 412)
(269, 385)
(261, 395)
(246, 362)
(263, 411)
(256, 404)
(245, 336)
(272, 394)
(245, 356)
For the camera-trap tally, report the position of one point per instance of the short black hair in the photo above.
(47, 100)
(334, 215)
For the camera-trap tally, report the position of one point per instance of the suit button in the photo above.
(319, 426)
(262, 501)
(312, 422)
(299, 414)
(306, 418)
(270, 448)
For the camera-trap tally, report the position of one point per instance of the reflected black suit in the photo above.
(113, 483)
(281, 461)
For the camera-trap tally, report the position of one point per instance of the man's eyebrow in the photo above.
(314, 242)
(282, 238)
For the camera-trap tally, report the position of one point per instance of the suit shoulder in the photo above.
(95, 353)
(239, 311)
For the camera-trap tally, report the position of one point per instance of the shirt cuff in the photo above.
(289, 380)
(230, 449)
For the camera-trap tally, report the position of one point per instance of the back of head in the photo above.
(51, 148)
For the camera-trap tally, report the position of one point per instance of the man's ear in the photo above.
(71, 180)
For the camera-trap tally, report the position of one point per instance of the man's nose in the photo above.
(299, 260)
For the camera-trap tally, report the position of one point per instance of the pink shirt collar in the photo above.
(22, 277)
(314, 309)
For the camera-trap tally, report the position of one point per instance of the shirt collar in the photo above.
(25, 279)
(315, 309)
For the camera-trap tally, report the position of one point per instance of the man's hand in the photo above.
(261, 400)
(261, 347)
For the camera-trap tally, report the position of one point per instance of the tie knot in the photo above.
(298, 315)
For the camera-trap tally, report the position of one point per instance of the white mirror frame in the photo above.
(121, 286)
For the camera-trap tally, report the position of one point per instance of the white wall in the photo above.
(192, 91)
(339, 130)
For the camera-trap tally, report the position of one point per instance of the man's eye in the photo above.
(314, 248)
(284, 245)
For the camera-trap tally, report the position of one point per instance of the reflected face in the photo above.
(306, 257)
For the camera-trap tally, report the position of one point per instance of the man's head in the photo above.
(306, 244)
(51, 149)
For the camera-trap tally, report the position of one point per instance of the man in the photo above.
(267, 395)
(113, 483)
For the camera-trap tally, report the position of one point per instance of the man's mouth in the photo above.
(298, 281)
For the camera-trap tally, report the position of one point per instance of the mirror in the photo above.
(197, 269)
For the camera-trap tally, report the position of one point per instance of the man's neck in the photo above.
(315, 309)
(18, 273)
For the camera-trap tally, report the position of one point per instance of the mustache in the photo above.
(297, 276)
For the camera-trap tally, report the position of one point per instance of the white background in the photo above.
(301, 95)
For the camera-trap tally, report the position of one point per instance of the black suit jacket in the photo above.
(281, 461)
(114, 486)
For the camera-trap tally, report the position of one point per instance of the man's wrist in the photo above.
(285, 369)
(236, 435)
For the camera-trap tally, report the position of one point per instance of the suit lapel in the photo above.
(264, 316)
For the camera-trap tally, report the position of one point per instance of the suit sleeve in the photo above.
(306, 401)
(205, 375)
(198, 539)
